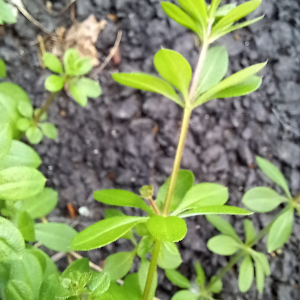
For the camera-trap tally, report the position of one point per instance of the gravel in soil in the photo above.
(126, 138)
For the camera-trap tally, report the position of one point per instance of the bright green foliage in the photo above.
(178, 279)
(49, 130)
(119, 264)
(142, 276)
(225, 9)
(217, 285)
(203, 194)
(167, 229)
(7, 13)
(11, 241)
(5, 139)
(184, 182)
(273, 173)
(175, 69)
(50, 288)
(26, 226)
(169, 256)
(249, 231)
(18, 290)
(18, 183)
(145, 246)
(214, 69)
(246, 274)
(223, 245)
(55, 236)
(80, 265)
(2, 69)
(185, 295)
(20, 154)
(262, 199)
(281, 230)
(201, 278)
(146, 191)
(25, 109)
(41, 204)
(69, 78)
(223, 226)
(104, 232)
(34, 135)
(121, 198)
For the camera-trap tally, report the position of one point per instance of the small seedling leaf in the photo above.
(280, 230)
(145, 246)
(274, 174)
(78, 94)
(11, 241)
(148, 83)
(34, 135)
(201, 278)
(54, 83)
(19, 183)
(169, 256)
(246, 274)
(223, 245)
(99, 283)
(2, 68)
(217, 286)
(90, 87)
(262, 199)
(225, 9)
(175, 69)
(5, 139)
(7, 14)
(178, 279)
(260, 276)
(167, 229)
(52, 63)
(119, 264)
(104, 232)
(55, 236)
(185, 295)
(263, 260)
(80, 266)
(26, 226)
(18, 290)
(142, 277)
(49, 130)
(23, 124)
(121, 198)
(249, 231)
(197, 9)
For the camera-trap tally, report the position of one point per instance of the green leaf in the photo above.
(5, 139)
(179, 16)
(121, 198)
(225, 9)
(34, 135)
(141, 229)
(185, 181)
(178, 279)
(246, 274)
(2, 68)
(185, 295)
(89, 87)
(25, 109)
(249, 231)
(260, 276)
(215, 210)
(55, 236)
(203, 194)
(18, 183)
(145, 246)
(213, 8)
(26, 226)
(226, 30)
(143, 274)
(7, 13)
(23, 124)
(236, 14)
(70, 58)
(148, 83)
(169, 256)
(52, 63)
(214, 69)
(146, 191)
(280, 230)
(262, 199)
(104, 232)
(223, 226)
(78, 94)
(18, 290)
(263, 260)
(217, 286)
(246, 87)
(223, 245)
(83, 66)
(175, 69)
(119, 264)
(197, 9)
(51, 288)
(20, 154)
(41, 204)
(54, 83)
(49, 130)
(11, 241)
(99, 283)
(79, 265)
(274, 174)
(115, 292)
(229, 82)
(43, 117)
(75, 65)
(167, 229)
(201, 278)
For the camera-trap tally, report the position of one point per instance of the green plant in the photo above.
(7, 13)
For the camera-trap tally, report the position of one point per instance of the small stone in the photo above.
(289, 153)
(245, 154)
(126, 110)
(290, 91)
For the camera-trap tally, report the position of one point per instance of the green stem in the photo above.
(241, 253)
(45, 107)
(152, 270)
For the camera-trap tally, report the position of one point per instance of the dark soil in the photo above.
(126, 139)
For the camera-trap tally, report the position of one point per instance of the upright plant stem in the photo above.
(241, 253)
(176, 167)
(45, 107)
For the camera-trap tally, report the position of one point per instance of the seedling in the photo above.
(7, 13)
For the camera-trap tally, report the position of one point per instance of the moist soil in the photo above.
(126, 138)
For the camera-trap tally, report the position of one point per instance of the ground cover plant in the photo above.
(153, 235)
